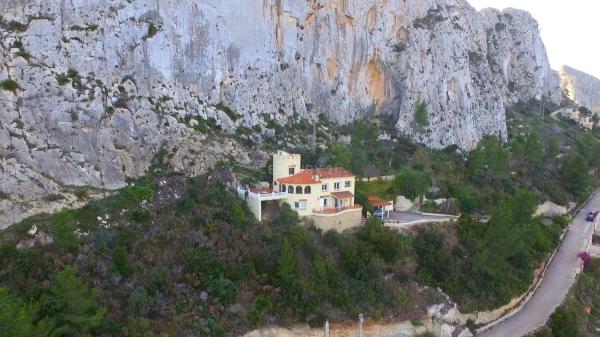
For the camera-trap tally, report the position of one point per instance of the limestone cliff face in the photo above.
(584, 89)
(104, 84)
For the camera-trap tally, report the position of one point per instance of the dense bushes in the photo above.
(200, 263)
(492, 262)
(67, 307)
(411, 183)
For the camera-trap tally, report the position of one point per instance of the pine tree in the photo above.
(286, 264)
(71, 306)
(17, 318)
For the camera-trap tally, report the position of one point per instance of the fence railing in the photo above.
(262, 196)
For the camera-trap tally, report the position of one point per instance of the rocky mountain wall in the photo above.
(582, 88)
(93, 89)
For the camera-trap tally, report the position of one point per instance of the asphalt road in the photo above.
(555, 285)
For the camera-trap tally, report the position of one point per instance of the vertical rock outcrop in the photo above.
(94, 88)
(582, 88)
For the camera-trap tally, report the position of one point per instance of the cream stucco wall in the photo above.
(340, 221)
(330, 189)
(312, 199)
(282, 161)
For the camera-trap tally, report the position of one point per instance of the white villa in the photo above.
(325, 195)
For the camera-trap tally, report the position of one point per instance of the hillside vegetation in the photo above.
(183, 256)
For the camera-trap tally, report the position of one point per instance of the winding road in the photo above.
(556, 283)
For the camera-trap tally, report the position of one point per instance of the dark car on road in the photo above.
(592, 216)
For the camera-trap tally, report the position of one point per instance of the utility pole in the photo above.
(541, 104)
(326, 328)
(314, 131)
(360, 325)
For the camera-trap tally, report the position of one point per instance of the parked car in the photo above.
(378, 213)
(592, 215)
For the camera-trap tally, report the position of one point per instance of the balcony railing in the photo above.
(333, 210)
(263, 196)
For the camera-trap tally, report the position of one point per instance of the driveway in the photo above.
(556, 283)
(403, 220)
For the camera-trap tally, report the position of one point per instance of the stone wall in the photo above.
(340, 222)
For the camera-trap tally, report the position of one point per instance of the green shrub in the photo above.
(10, 85)
(152, 30)
(384, 241)
(63, 228)
(200, 260)
(574, 172)
(72, 306)
(72, 73)
(139, 303)
(416, 322)
(421, 117)
(81, 194)
(139, 215)
(563, 323)
(13, 26)
(88, 28)
(411, 183)
(137, 327)
(158, 279)
(259, 308)
(63, 79)
(223, 289)
(23, 53)
(228, 111)
(213, 329)
(140, 193)
(18, 318)
(121, 262)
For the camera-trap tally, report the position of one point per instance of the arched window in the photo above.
(307, 190)
(291, 189)
(298, 189)
(282, 188)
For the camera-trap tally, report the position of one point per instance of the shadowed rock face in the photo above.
(143, 71)
(581, 87)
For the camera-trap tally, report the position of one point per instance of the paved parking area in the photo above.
(404, 220)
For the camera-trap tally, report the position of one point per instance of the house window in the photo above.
(282, 188)
(291, 171)
(347, 183)
(307, 190)
(291, 189)
(336, 186)
(324, 187)
(298, 189)
(325, 202)
(300, 204)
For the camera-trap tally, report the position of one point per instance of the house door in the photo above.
(337, 203)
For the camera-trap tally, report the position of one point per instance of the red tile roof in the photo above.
(263, 190)
(330, 172)
(378, 202)
(313, 176)
(342, 195)
(302, 178)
